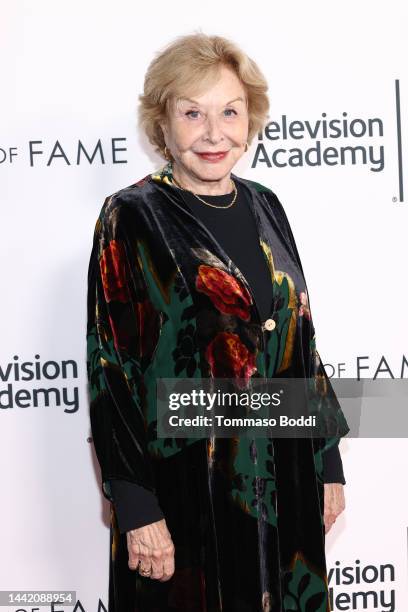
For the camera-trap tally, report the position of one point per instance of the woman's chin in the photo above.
(213, 172)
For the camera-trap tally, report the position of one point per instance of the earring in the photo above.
(246, 147)
(166, 154)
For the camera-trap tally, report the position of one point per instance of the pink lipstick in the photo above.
(213, 157)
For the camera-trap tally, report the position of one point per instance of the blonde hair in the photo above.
(187, 66)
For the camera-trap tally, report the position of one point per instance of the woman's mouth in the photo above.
(213, 157)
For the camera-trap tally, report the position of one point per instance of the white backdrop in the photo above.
(70, 76)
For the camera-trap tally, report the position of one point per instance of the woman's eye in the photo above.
(190, 113)
(230, 110)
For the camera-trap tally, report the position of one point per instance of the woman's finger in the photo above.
(157, 563)
(133, 550)
(168, 563)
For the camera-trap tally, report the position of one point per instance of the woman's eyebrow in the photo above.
(198, 104)
(188, 100)
(235, 100)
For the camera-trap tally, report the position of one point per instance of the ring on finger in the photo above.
(144, 571)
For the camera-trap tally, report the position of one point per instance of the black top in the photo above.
(235, 229)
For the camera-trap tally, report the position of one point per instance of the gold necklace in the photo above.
(207, 203)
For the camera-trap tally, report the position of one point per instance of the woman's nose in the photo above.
(214, 131)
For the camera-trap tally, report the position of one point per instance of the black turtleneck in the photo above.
(235, 229)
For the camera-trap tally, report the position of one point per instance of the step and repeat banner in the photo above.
(334, 153)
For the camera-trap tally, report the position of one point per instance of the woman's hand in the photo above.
(153, 547)
(334, 503)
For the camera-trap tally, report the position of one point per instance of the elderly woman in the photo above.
(195, 273)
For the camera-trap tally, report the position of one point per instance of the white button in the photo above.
(270, 324)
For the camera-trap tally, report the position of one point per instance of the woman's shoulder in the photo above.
(259, 187)
(268, 194)
(132, 192)
(271, 202)
(130, 197)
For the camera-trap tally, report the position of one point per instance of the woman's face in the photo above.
(206, 134)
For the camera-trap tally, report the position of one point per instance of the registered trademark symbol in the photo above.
(395, 199)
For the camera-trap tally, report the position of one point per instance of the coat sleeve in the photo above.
(328, 407)
(135, 506)
(333, 465)
(117, 304)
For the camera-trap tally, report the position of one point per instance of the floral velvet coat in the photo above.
(165, 300)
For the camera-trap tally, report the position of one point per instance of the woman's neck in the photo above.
(222, 186)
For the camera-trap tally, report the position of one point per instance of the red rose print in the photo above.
(113, 271)
(226, 293)
(229, 357)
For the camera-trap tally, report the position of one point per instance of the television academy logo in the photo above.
(19, 389)
(341, 141)
(358, 586)
(311, 137)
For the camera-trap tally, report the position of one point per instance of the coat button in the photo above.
(269, 324)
